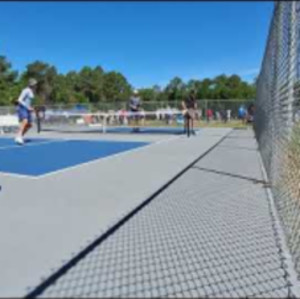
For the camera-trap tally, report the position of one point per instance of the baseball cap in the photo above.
(32, 82)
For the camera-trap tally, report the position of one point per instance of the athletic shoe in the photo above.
(19, 140)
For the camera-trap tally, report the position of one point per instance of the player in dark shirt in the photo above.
(189, 106)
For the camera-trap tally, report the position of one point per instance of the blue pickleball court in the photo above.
(42, 156)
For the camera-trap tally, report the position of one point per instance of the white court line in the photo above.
(16, 175)
(35, 144)
(37, 177)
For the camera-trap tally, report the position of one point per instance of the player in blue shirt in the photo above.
(25, 109)
(242, 113)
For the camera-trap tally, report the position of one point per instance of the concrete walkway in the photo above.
(213, 233)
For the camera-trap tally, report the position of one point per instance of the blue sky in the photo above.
(149, 42)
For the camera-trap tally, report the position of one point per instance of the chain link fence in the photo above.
(277, 118)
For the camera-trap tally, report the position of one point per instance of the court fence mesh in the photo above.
(216, 105)
(277, 118)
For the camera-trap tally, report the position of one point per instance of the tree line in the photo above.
(94, 85)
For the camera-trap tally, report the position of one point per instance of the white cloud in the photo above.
(249, 72)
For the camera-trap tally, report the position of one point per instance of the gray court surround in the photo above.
(211, 233)
(45, 222)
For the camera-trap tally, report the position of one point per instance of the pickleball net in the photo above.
(160, 122)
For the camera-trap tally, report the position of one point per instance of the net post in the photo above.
(104, 123)
(38, 119)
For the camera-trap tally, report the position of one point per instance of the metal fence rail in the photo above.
(215, 104)
(277, 123)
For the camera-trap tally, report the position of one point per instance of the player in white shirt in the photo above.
(25, 109)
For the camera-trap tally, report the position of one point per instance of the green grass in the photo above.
(200, 124)
(218, 124)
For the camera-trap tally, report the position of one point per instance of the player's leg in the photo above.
(137, 120)
(191, 117)
(188, 124)
(134, 120)
(23, 124)
(22, 129)
(184, 124)
(28, 123)
(192, 122)
(131, 119)
(192, 125)
(26, 128)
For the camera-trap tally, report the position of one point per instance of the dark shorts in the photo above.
(135, 113)
(24, 113)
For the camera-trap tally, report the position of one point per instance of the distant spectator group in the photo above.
(246, 115)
